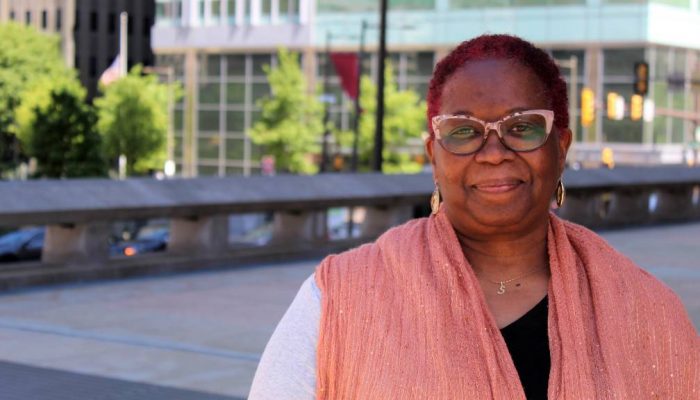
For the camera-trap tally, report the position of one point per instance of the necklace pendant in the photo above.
(501, 288)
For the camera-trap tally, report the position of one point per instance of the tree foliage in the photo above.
(57, 128)
(132, 117)
(26, 55)
(404, 118)
(292, 119)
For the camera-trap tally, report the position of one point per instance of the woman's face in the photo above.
(496, 190)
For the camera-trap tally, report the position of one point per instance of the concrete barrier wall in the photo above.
(78, 213)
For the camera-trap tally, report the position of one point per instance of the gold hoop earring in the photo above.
(435, 201)
(561, 193)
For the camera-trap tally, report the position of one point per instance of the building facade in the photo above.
(89, 31)
(218, 49)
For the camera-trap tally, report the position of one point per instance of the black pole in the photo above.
(379, 132)
(358, 109)
(326, 111)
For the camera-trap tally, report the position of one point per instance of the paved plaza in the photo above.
(200, 335)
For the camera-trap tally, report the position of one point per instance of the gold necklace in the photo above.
(502, 284)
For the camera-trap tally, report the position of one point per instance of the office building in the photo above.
(218, 49)
(89, 31)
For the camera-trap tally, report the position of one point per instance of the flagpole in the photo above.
(123, 44)
(123, 51)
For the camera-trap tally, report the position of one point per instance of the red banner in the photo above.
(346, 68)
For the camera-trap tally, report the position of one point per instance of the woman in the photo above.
(491, 297)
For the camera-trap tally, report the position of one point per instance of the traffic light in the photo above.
(636, 107)
(587, 107)
(641, 78)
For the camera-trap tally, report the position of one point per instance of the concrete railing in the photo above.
(79, 214)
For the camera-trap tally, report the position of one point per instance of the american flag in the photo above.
(111, 74)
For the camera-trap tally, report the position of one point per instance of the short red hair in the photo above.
(502, 47)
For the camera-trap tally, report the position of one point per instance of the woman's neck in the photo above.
(502, 258)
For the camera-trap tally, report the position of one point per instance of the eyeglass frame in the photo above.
(495, 126)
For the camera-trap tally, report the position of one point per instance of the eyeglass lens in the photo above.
(519, 133)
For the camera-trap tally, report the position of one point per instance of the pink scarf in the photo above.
(405, 318)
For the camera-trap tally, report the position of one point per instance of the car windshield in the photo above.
(151, 232)
(17, 236)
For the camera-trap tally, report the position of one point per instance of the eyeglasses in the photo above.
(520, 131)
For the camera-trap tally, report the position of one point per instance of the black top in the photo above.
(528, 344)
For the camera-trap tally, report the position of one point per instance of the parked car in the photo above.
(22, 245)
(150, 238)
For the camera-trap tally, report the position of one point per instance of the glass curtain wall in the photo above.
(228, 89)
(565, 56)
(618, 69)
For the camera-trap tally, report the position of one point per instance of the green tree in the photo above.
(132, 117)
(26, 55)
(404, 118)
(57, 128)
(292, 119)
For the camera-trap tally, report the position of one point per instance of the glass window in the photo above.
(231, 10)
(679, 58)
(93, 21)
(565, 55)
(373, 5)
(177, 147)
(625, 130)
(289, 9)
(255, 116)
(112, 23)
(259, 61)
(234, 171)
(178, 120)
(235, 121)
(160, 10)
(411, 4)
(511, 3)
(419, 87)
(208, 121)
(209, 93)
(206, 170)
(677, 3)
(235, 65)
(216, 9)
(260, 90)
(59, 19)
(210, 65)
(208, 147)
(235, 93)
(265, 11)
(28, 17)
(677, 130)
(44, 19)
(621, 61)
(235, 149)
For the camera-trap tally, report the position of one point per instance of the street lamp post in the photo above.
(379, 126)
(358, 109)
